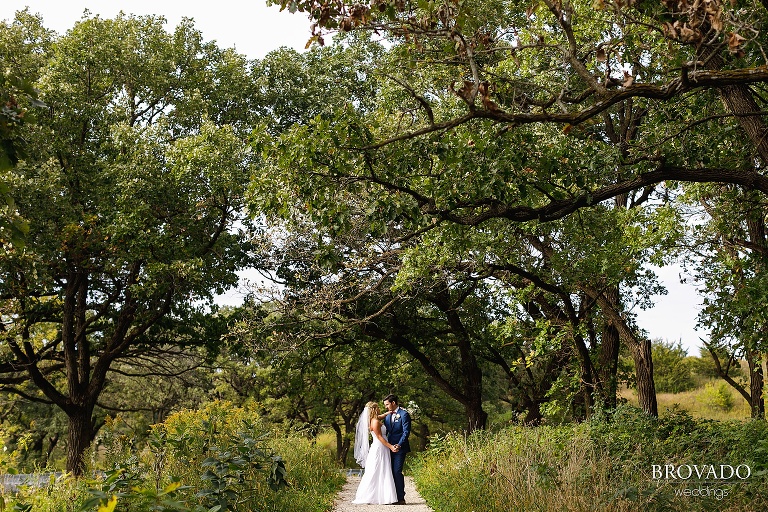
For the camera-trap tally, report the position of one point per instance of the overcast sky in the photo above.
(255, 29)
(249, 25)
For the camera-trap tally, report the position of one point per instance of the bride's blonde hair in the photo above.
(373, 410)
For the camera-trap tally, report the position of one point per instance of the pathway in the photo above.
(414, 502)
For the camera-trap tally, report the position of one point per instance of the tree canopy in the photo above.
(492, 118)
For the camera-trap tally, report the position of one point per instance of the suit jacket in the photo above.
(399, 428)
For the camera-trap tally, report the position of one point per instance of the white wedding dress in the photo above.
(377, 485)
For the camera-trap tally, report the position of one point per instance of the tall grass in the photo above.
(699, 402)
(516, 469)
(604, 464)
(313, 476)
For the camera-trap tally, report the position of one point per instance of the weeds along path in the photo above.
(414, 502)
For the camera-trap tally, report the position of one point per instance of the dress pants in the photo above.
(398, 460)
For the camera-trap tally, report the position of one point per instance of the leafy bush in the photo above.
(220, 458)
(718, 395)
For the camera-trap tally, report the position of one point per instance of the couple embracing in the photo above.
(383, 460)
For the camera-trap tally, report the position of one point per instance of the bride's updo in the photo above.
(373, 410)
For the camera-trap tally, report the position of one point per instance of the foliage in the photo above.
(218, 458)
(13, 228)
(704, 367)
(458, 178)
(299, 377)
(671, 369)
(34, 433)
(718, 396)
(17, 99)
(495, 117)
(604, 464)
(731, 241)
(589, 70)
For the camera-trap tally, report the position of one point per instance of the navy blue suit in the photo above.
(398, 429)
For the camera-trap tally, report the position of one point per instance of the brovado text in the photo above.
(722, 472)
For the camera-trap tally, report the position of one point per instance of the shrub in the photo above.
(717, 395)
(220, 458)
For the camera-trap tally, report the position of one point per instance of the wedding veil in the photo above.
(361, 437)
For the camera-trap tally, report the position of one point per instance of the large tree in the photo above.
(132, 185)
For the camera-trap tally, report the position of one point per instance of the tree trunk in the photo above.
(646, 389)
(52, 442)
(471, 374)
(343, 452)
(79, 438)
(740, 101)
(533, 414)
(609, 364)
(339, 439)
(423, 435)
(609, 355)
(757, 235)
(756, 383)
(477, 418)
(640, 348)
(589, 384)
(342, 442)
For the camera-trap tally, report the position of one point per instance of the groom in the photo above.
(398, 425)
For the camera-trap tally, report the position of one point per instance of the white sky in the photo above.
(247, 25)
(255, 29)
(673, 316)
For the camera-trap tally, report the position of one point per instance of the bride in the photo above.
(377, 485)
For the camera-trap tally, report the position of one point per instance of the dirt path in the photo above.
(414, 502)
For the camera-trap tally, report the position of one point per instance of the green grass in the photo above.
(698, 402)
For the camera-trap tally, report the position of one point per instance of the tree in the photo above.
(731, 245)
(344, 302)
(307, 181)
(132, 186)
(672, 370)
